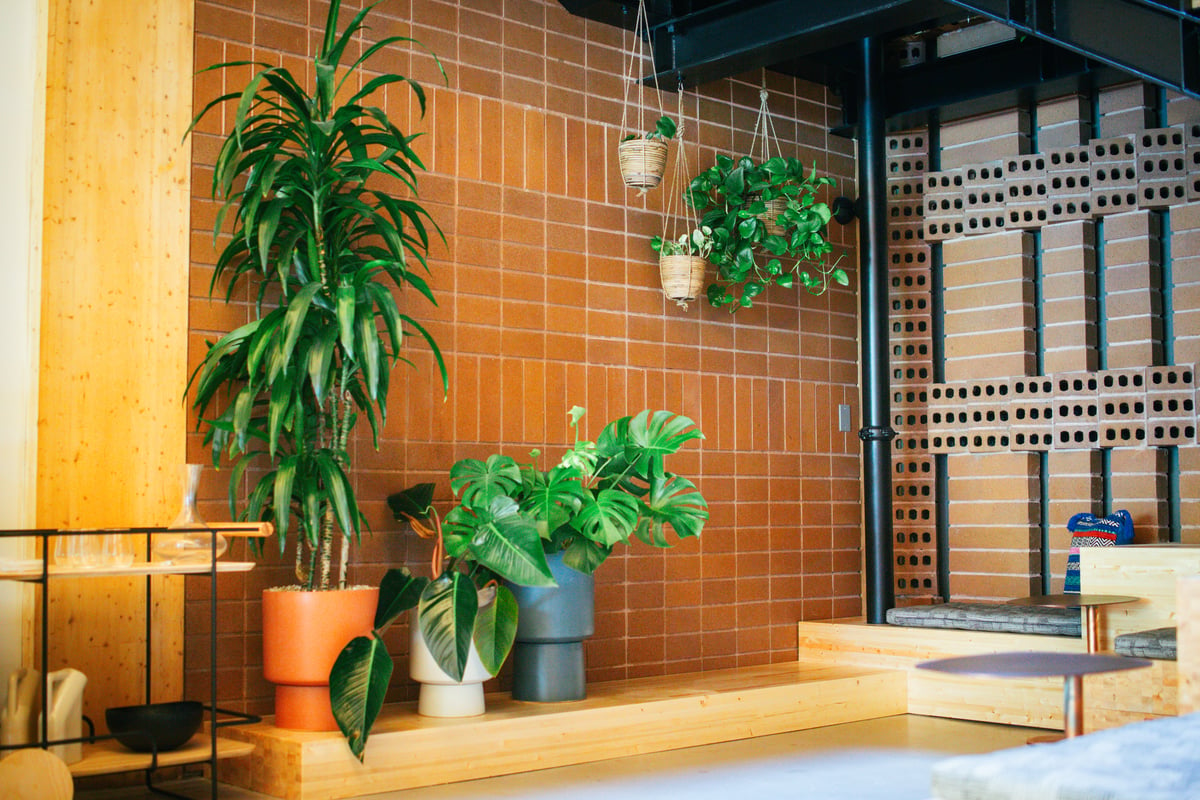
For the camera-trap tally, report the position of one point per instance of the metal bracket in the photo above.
(876, 433)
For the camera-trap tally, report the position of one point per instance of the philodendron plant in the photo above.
(461, 603)
(733, 198)
(664, 130)
(698, 242)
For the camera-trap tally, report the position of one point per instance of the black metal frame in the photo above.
(876, 434)
(230, 717)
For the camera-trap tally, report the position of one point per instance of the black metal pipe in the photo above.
(876, 433)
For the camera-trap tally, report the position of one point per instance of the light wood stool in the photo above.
(35, 774)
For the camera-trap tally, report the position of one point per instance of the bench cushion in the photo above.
(1157, 643)
(989, 617)
(1155, 760)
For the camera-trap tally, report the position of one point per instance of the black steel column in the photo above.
(876, 433)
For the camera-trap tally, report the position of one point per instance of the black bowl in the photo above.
(167, 725)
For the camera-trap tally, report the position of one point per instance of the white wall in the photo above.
(22, 96)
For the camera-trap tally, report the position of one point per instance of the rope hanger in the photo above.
(641, 49)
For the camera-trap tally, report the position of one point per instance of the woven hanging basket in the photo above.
(681, 276)
(642, 162)
(775, 207)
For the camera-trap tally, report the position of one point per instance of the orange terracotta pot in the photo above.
(303, 632)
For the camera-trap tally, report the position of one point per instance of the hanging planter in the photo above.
(642, 152)
(767, 224)
(643, 160)
(682, 276)
(682, 257)
(770, 218)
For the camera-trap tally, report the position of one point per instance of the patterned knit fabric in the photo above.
(1093, 531)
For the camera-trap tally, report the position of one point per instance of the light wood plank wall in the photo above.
(111, 423)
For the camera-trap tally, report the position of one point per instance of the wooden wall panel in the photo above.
(114, 317)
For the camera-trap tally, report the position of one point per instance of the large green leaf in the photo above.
(414, 503)
(653, 435)
(446, 614)
(552, 498)
(609, 517)
(496, 629)
(399, 591)
(583, 555)
(358, 683)
(477, 482)
(673, 501)
(505, 541)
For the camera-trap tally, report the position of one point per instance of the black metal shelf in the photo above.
(102, 755)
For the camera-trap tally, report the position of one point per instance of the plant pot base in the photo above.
(548, 672)
(450, 700)
(304, 708)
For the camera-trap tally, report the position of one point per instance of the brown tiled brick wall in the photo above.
(548, 298)
(1087, 400)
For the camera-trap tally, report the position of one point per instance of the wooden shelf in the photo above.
(28, 571)
(619, 718)
(110, 756)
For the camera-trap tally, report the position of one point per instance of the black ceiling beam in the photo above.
(733, 38)
(978, 81)
(605, 11)
(1150, 39)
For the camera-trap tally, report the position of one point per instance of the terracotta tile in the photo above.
(566, 102)
(647, 650)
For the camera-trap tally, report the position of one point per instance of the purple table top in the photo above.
(1033, 664)
(1071, 600)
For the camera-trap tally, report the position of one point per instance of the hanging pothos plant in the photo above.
(733, 198)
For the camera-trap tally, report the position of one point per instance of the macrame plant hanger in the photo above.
(642, 151)
(682, 272)
(764, 127)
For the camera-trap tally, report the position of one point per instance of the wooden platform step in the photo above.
(1109, 700)
(620, 718)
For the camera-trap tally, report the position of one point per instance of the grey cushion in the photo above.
(1155, 760)
(1158, 643)
(989, 617)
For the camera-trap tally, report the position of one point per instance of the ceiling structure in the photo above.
(940, 55)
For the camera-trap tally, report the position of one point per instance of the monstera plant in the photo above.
(600, 494)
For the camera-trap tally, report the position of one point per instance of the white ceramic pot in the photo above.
(441, 695)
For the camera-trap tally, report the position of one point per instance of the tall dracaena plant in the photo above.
(323, 243)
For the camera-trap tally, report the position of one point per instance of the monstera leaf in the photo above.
(477, 482)
(673, 501)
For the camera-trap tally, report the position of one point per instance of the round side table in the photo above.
(1090, 603)
(1038, 664)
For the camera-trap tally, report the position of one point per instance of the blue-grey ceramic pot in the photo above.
(552, 624)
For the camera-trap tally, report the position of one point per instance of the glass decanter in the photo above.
(193, 545)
